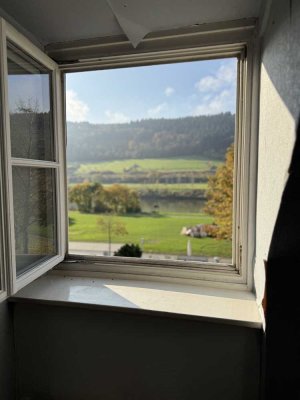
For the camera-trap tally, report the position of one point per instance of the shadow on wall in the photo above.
(282, 288)
(282, 48)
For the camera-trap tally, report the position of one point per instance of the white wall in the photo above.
(279, 111)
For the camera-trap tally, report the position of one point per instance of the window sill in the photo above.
(142, 297)
(167, 271)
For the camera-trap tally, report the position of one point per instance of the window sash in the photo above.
(13, 282)
(3, 258)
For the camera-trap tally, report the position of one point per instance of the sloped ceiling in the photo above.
(51, 21)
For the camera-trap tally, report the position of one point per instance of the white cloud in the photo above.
(116, 117)
(227, 73)
(207, 84)
(221, 102)
(155, 111)
(76, 109)
(169, 91)
(217, 91)
(224, 77)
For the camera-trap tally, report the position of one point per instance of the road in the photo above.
(91, 248)
(101, 249)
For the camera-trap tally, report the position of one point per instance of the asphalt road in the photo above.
(101, 249)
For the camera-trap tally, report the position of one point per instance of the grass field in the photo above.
(161, 233)
(172, 187)
(162, 164)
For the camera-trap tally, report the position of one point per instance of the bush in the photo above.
(129, 250)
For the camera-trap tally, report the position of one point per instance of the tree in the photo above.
(111, 226)
(88, 196)
(219, 195)
(122, 200)
(93, 197)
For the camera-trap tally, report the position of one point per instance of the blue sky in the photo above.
(29, 91)
(161, 91)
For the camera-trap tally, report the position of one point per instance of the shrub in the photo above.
(129, 250)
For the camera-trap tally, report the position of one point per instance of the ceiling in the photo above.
(51, 21)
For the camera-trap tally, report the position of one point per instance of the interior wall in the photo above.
(279, 111)
(7, 358)
(278, 216)
(74, 354)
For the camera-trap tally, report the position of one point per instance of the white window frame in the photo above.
(240, 274)
(199, 43)
(3, 236)
(12, 282)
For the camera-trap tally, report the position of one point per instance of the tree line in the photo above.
(94, 198)
(205, 136)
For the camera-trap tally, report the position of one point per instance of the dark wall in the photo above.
(68, 353)
(281, 60)
(282, 285)
(7, 358)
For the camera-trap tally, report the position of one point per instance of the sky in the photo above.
(161, 91)
(27, 89)
(31, 91)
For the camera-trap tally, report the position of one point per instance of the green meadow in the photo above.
(172, 187)
(150, 164)
(159, 233)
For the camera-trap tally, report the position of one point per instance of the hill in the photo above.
(201, 136)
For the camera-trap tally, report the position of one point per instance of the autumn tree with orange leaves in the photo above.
(220, 196)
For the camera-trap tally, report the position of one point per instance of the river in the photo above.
(166, 205)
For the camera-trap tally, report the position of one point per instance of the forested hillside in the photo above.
(201, 136)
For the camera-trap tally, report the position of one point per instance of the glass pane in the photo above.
(150, 161)
(35, 217)
(30, 109)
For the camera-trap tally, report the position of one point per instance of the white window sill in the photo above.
(156, 298)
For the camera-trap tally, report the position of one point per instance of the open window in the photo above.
(33, 159)
(140, 156)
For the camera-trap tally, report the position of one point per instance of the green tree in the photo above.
(93, 197)
(112, 227)
(122, 200)
(220, 195)
(89, 197)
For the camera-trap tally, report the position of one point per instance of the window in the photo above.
(228, 271)
(145, 145)
(158, 160)
(33, 159)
